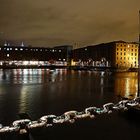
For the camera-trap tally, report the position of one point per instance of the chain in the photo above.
(24, 125)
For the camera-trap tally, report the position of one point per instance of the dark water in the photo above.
(40, 92)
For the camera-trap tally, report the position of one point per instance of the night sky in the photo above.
(58, 22)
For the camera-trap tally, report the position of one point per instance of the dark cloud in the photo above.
(56, 22)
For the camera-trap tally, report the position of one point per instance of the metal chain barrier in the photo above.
(24, 125)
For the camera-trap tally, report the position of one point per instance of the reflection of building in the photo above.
(115, 54)
(126, 84)
(34, 55)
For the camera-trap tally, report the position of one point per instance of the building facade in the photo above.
(126, 55)
(26, 55)
(117, 54)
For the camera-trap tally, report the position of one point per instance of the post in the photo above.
(139, 59)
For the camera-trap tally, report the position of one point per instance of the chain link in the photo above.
(24, 125)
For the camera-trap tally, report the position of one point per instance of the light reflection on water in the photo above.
(43, 91)
(126, 84)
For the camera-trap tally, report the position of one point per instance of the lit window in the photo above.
(0, 48)
(53, 50)
(41, 50)
(59, 50)
(85, 49)
(21, 49)
(8, 55)
(36, 49)
(11, 49)
(16, 49)
(7, 49)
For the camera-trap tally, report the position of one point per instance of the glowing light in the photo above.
(25, 62)
(73, 63)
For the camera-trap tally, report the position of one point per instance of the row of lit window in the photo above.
(127, 53)
(126, 45)
(132, 58)
(21, 49)
(124, 49)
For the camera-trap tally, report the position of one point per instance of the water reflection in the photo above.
(41, 91)
(126, 84)
(30, 76)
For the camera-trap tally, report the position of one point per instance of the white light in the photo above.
(33, 62)
(25, 62)
(8, 55)
(5, 44)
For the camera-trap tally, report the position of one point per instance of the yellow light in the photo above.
(73, 63)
